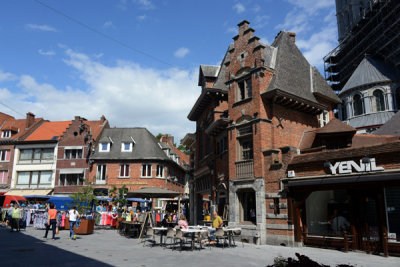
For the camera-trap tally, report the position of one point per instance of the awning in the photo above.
(137, 199)
(28, 192)
(71, 171)
(153, 192)
(36, 196)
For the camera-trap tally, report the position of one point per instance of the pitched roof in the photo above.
(17, 126)
(209, 71)
(391, 127)
(335, 126)
(50, 130)
(370, 71)
(294, 75)
(146, 146)
(95, 127)
(371, 119)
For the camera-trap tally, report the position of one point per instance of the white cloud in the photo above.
(128, 94)
(261, 21)
(141, 17)
(311, 6)
(6, 76)
(181, 52)
(145, 4)
(232, 30)
(239, 8)
(45, 28)
(46, 53)
(108, 24)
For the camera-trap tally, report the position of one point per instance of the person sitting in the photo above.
(217, 221)
(164, 222)
(183, 224)
(339, 223)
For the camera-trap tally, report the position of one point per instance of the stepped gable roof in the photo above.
(370, 71)
(49, 130)
(391, 127)
(146, 146)
(294, 75)
(96, 127)
(335, 126)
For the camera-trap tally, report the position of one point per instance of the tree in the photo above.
(84, 199)
(184, 149)
(118, 195)
(159, 136)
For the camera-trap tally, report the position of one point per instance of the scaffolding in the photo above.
(377, 34)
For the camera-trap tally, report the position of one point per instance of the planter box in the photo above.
(85, 228)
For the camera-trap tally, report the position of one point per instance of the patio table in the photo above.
(192, 231)
(162, 231)
(229, 232)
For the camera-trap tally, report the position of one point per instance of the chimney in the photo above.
(30, 119)
(292, 36)
(102, 119)
(243, 26)
(77, 118)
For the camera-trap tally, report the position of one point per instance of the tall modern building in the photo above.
(364, 68)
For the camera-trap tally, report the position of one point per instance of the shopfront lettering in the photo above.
(344, 167)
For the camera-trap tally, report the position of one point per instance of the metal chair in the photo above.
(220, 234)
(237, 233)
(179, 236)
(203, 236)
(149, 235)
(170, 235)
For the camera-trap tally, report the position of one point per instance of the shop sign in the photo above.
(344, 167)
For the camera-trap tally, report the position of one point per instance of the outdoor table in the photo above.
(161, 230)
(192, 231)
(229, 232)
(132, 228)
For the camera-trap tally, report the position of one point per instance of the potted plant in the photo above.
(84, 201)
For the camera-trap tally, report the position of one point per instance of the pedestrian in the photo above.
(73, 216)
(52, 220)
(16, 216)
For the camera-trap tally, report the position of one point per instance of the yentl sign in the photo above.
(343, 167)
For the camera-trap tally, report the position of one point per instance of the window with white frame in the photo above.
(160, 171)
(73, 153)
(146, 170)
(101, 172)
(126, 147)
(3, 176)
(323, 118)
(36, 155)
(104, 147)
(6, 134)
(4, 155)
(34, 179)
(244, 89)
(124, 170)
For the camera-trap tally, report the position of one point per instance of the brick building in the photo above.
(252, 113)
(12, 130)
(344, 188)
(135, 158)
(75, 147)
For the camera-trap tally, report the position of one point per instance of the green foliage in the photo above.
(184, 149)
(158, 136)
(84, 199)
(118, 195)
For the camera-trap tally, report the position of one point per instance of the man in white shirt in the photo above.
(72, 217)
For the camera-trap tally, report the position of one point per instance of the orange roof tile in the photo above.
(50, 130)
(95, 127)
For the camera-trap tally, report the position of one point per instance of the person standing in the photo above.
(16, 216)
(73, 216)
(51, 221)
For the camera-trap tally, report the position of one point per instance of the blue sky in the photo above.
(54, 66)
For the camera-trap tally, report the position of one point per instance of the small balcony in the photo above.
(244, 169)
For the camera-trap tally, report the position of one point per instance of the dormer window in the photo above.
(6, 134)
(126, 147)
(104, 147)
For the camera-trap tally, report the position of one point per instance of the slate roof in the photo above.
(335, 126)
(146, 147)
(370, 71)
(209, 71)
(294, 75)
(49, 130)
(371, 119)
(391, 127)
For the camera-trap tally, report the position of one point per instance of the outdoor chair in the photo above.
(170, 235)
(220, 234)
(203, 237)
(179, 236)
(237, 233)
(149, 236)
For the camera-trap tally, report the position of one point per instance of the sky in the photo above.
(136, 61)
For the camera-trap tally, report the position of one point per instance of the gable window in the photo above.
(101, 173)
(323, 118)
(3, 177)
(379, 100)
(146, 170)
(358, 105)
(160, 171)
(104, 147)
(126, 147)
(244, 89)
(5, 155)
(37, 155)
(73, 154)
(124, 170)
(6, 134)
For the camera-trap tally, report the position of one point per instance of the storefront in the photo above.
(347, 203)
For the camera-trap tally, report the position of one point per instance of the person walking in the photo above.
(16, 216)
(73, 216)
(52, 220)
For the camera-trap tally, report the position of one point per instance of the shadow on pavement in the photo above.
(20, 249)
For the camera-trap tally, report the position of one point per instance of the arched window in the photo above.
(379, 100)
(358, 105)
